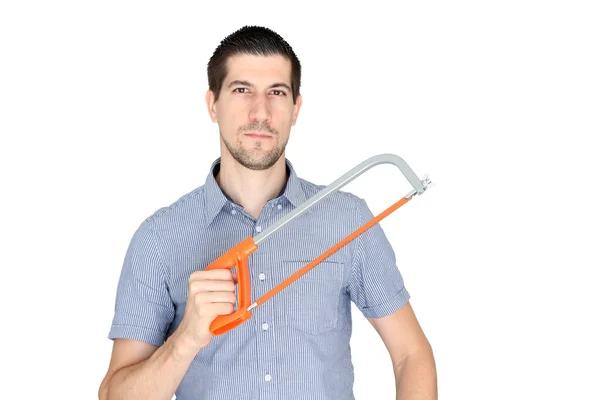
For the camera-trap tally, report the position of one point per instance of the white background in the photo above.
(102, 121)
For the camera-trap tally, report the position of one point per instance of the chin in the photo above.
(255, 155)
(258, 160)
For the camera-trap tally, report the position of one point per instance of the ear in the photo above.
(296, 109)
(211, 105)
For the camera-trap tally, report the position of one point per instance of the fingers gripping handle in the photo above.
(236, 257)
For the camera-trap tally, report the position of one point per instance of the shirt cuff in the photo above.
(136, 333)
(388, 307)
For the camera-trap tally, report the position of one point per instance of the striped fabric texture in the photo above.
(297, 344)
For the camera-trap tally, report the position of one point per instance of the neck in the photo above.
(248, 188)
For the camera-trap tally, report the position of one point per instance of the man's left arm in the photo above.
(377, 288)
(411, 354)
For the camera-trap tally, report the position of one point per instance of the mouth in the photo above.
(258, 135)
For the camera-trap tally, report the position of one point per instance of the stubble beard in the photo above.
(256, 159)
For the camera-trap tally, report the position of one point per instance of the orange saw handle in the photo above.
(236, 257)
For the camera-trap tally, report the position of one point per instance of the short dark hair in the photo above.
(253, 40)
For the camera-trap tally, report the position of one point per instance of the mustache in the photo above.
(258, 126)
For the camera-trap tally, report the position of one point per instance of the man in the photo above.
(296, 345)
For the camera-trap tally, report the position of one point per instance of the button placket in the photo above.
(265, 340)
(265, 345)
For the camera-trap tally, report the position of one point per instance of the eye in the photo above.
(240, 90)
(279, 93)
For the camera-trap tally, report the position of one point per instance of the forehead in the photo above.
(259, 69)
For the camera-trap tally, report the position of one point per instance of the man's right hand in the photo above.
(210, 294)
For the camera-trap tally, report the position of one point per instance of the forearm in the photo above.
(416, 377)
(156, 378)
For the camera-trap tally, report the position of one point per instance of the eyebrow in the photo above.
(246, 83)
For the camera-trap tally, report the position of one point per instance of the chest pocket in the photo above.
(311, 303)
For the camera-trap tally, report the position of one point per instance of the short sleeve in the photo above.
(376, 285)
(143, 307)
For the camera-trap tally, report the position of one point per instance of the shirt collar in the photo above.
(215, 199)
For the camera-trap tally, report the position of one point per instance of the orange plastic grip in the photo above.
(236, 257)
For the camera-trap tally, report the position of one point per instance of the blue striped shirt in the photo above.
(297, 344)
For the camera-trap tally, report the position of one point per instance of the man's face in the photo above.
(255, 110)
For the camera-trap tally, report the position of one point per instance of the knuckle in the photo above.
(199, 299)
(194, 276)
(195, 288)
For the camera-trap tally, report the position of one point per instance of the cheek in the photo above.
(231, 115)
(282, 110)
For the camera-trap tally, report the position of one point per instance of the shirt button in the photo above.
(258, 228)
(279, 206)
(268, 378)
(261, 276)
(265, 326)
(233, 212)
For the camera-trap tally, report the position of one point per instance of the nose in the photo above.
(260, 109)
